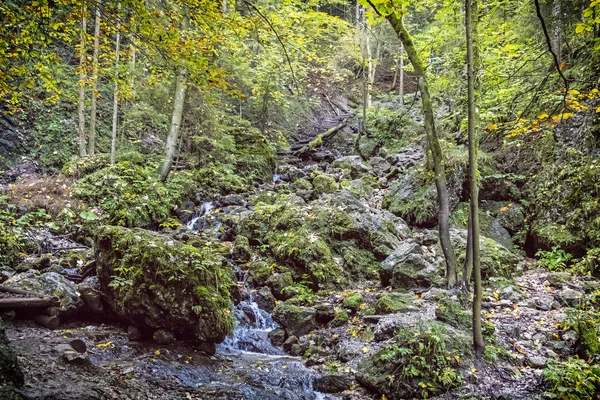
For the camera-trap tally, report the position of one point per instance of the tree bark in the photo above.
(115, 118)
(28, 302)
(401, 70)
(434, 147)
(471, 30)
(92, 138)
(175, 124)
(81, 105)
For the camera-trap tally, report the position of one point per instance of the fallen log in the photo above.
(47, 321)
(7, 289)
(29, 302)
(319, 139)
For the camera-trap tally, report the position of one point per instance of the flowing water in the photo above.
(205, 219)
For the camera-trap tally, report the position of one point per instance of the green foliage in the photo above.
(556, 260)
(395, 130)
(389, 303)
(353, 300)
(128, 194)
(573, 379)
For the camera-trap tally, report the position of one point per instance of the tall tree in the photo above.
(81, 105)
(471, 31)
(173, 136)
(92, 137)
(394, 17)
(115, 118)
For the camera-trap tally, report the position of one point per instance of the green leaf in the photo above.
(88, 216)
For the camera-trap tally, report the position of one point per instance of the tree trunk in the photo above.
(434, 147)
(471, 29)
(401, 89)
(175, 124)
(369, 74)
(113, 141)
(81, 105)
(92, 141)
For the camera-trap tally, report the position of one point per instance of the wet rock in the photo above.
(322, 155)
(408, 267)
(233, 200)
(277, 336)
(380, 166)
(75, 358)
(489, 225)
(135, 333)
(50, 283)
(296, 320)
(289, 342)
(163, 336)
(265, 299)
(185, 211)
(333, 383)
(278, 282)
(89, 290)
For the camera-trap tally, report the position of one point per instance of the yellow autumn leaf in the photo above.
(542, 116)
(101, 345)
(384, 397)
(457, 358)
(503, 209)
(363, 306)
(157, 353)
(365, 349)
(491, 127)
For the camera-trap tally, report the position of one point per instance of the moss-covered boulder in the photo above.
(241, 249)
(496, 260)
(11, 374)
(296, 320)
(359, 188)
(301, 184)
(418, 361)
(353, 300)
(324, 184)
(489, 225)
(389, 303)
(352, 166)
(452, 312)
(155, 282)
(409, 267)
(587, 342)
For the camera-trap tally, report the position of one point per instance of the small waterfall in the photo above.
(276, 178)
(252, 331)
(203, 218)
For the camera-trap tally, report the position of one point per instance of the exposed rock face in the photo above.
(154, 282)
(50, 283)
(409, 267)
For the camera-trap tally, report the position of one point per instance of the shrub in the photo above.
(573, 379)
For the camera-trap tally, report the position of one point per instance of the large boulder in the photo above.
(409, 267)
(296, 320)
(496, 260)
(352, 166)
(154, 282)
(50, 283)
(489, 226)
(11, 374)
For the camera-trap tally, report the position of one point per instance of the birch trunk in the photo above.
(175, 125)
(113, 141)
(92, 138)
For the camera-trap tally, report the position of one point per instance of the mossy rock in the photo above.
(413, 198)
(587, 343)
(408, 267)
(324, 184)
(340, 318)
(353, 300)
(358, 187)
(389, 303)
(488, 225)
(296, 320)
(301, 184)
(353, 167)
(155, 282)
(241, 248)
(496, 260)
(453, 313)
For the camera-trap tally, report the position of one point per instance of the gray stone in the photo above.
(89, 290)
(163, 336)
(265, 299)
(380, 166)
(296, 320)
(570, 297)
(277, 336)
(353, 165)
(408, 267)
(536, 362)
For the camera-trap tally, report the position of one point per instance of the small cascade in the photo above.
(251, 333)
(205, 218)
(276, 178)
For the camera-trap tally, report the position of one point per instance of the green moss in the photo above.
(453, 313)
(413, 198)
(145, 273)
(353, 300)
(324, 184)
(301, 184)
(389, 303)
(341, 317)
(588, 345)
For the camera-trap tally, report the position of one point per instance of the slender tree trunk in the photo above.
(113, 141)
(471, 28)
(175, 124)
(81, 105)
(435, 148)
(401, 89)
(92, 138)
(369, 65)
(132, 67)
